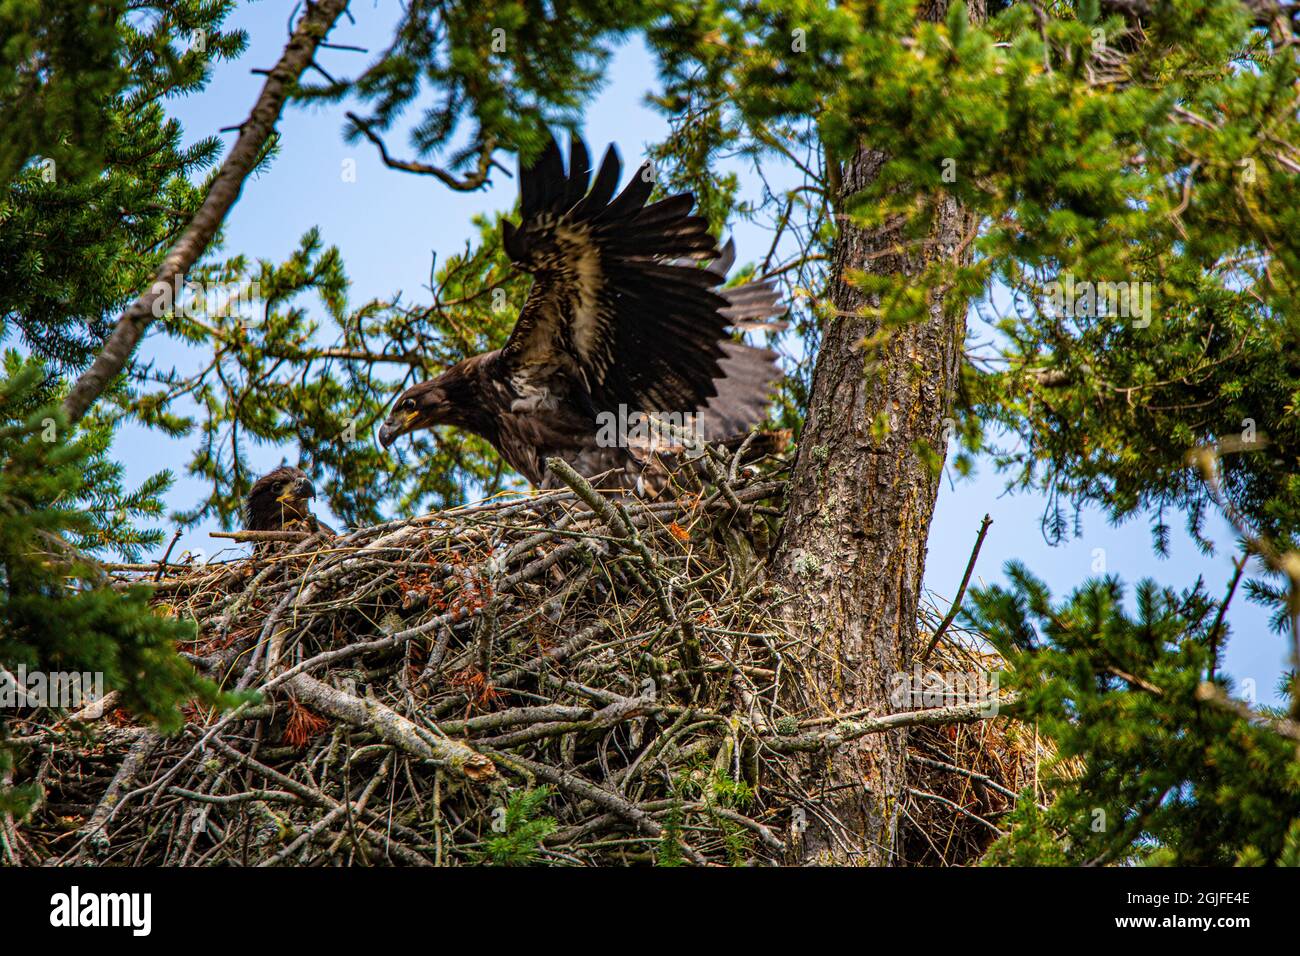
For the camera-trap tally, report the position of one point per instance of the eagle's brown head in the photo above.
(420, 406)
(278, 499)
(454, 397)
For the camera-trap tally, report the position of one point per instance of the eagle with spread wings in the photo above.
(621, 315)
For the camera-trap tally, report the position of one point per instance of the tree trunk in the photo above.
(852, 550)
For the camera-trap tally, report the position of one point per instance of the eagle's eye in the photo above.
(408, 404)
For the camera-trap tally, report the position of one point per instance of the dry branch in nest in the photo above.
(564, 678)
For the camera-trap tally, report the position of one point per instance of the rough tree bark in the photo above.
(852, 549)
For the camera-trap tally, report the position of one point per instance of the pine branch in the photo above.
(224, 191)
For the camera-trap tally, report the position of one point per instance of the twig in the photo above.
(1214, 694)
(933, 717)
(1216, 631)
(471, 182)
(264, 535)
(961, 590)
(162, 565)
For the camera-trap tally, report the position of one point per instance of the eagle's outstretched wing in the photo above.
(619, 302)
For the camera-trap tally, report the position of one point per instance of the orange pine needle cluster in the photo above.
(475, 685)
(303, 725)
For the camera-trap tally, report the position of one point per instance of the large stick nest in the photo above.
(564, 678)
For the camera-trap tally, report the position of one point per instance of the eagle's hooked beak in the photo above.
(300, 490)
(395, 426)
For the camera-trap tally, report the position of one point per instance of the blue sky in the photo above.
(387, 225)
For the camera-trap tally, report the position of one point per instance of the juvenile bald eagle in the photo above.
(278, 501)
(620, 320)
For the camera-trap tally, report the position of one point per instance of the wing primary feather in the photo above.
(602, 190)
(542, 184)
(633, 196)
(579, 172)
(726, 259)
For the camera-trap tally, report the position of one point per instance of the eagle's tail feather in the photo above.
(748, 375)
(745, 387)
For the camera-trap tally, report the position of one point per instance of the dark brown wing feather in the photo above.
(617, 300)
(749, 374)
